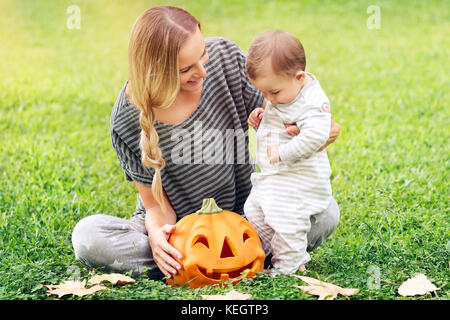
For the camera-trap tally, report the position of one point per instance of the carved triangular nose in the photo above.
(227, 249)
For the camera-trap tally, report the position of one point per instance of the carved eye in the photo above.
(201, 239)
(246, 236)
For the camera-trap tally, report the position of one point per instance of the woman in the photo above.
(179, 128)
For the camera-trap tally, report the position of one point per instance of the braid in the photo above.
(155, 41)
(151, 153)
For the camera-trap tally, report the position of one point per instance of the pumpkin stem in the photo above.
(209, 206)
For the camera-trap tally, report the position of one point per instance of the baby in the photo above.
(294, 182)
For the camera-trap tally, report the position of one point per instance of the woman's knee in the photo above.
(323, 225)
(85, 237)
(333, 215)
(111, 242)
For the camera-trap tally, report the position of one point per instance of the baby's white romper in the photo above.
(285, 195)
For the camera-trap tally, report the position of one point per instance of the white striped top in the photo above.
(299, 154)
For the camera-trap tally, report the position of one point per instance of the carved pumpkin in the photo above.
(217, 246)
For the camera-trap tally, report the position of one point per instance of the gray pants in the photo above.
(118, 244)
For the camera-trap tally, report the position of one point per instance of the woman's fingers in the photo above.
(168, 229)
(164, 253)
(169, 264)
(335, 129)
(166, 270)
(165, 261)
(162, 265)
(292, 129)
(172, 251)
(326, 108)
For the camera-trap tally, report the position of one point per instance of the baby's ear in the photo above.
(299, 75)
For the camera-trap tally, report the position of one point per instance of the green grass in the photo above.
(388, 90)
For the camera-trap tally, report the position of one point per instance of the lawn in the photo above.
(388, 89)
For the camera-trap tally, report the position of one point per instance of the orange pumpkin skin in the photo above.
(216, 247)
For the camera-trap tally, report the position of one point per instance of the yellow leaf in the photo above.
(114, 278)
(324, 290)
(76, 288)
(417, 285)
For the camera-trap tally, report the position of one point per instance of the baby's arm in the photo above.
(314, 127)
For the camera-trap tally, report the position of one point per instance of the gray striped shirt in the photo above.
(207, 154)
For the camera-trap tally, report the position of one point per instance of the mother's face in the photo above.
(191, 59)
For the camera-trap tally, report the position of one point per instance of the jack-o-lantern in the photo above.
(217, 246)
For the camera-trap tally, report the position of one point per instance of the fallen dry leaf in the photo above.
(232, 295)
(114, 278)
(76, 288)
(417, 285)
(324, 289)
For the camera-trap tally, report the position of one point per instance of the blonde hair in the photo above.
(285, 51)
(155, 41)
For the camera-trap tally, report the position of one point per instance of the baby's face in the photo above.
(277, 88)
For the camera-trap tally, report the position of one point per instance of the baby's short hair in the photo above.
(284, 49)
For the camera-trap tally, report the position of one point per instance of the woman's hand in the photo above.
(163, 252)
(159, 226)
(334, 130)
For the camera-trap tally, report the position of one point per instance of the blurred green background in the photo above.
(388, 89)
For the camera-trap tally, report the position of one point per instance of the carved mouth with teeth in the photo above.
(218, 247)
(226, 275)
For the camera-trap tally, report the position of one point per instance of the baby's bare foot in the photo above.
(302, 268)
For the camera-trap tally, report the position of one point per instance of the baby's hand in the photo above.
(255, 117)
(292, 129)
(273, 155)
